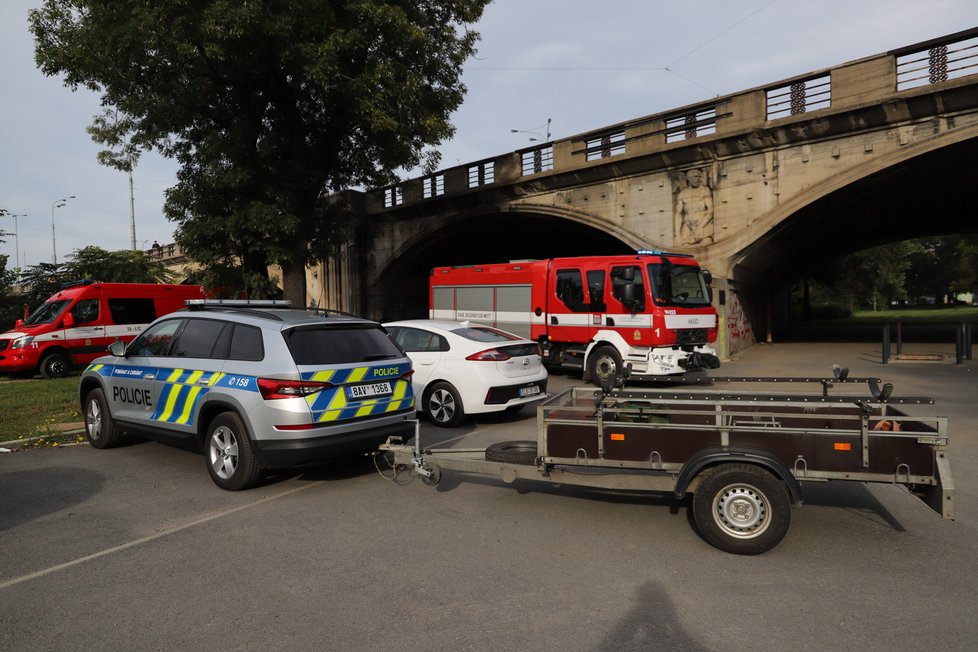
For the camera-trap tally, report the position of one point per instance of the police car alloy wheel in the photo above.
(99, 427)
(230, 459)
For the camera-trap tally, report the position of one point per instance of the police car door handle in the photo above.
(202, 381)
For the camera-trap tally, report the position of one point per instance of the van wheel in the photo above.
(444, 405)
(55, 365)
(230, 458)
(741, 508)
(604, 363)
(100, 430)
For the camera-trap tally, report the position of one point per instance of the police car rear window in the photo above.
(198, 339)
(324, 346)
(246, 344)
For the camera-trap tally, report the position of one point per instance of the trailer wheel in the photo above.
(512, 452)
(604, 363)
(100, 430)
(741, 508)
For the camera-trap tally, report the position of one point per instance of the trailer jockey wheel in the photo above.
(434, 474)
(741, 508)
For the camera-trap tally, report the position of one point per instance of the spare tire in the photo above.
(512, 452)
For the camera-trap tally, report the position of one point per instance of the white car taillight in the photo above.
(490, 355)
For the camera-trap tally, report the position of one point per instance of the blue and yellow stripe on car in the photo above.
(182, 392)
(332, 404)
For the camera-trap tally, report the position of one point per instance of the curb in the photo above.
(66, 437)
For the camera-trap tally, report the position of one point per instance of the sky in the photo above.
(582, 64)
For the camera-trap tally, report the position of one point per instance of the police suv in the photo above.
(254, 384)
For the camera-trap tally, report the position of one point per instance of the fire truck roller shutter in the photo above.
(513, 312)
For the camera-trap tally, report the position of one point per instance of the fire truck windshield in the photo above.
(678, 285)
(47, 313)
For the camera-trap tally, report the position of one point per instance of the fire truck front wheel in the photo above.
(55, 365)
(444, 405)
(604, 362)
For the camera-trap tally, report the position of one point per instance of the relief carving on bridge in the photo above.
(692, 204)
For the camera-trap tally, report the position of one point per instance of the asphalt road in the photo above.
(136, 549)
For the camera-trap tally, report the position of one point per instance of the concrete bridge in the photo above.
(756, 184)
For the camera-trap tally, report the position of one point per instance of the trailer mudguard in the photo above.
(720, 454)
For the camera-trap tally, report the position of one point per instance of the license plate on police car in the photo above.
(368, 391)
(529, 391)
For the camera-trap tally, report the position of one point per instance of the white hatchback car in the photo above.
(463, 368)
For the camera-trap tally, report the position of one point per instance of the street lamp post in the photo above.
(544, 137)
(16, 238)
(54, 247)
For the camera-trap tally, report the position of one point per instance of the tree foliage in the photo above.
(269, 106)
(925, 270)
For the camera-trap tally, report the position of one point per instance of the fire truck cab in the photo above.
(596, 313)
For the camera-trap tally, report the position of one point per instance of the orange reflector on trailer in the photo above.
(841, 446)
(617, 436)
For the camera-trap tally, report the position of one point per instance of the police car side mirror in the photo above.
(118, 348)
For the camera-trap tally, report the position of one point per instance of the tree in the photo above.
(116, 266)
(268, 106)
(966, 248)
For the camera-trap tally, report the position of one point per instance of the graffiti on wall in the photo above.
(738, 323)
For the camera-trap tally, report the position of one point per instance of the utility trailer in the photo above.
(744, 456)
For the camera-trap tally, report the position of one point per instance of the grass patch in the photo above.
(919, 315)
(928, 315)
(29, 408)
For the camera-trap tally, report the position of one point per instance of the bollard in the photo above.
(899, 335)
(959, 344)
(886, 344)
(967, 341)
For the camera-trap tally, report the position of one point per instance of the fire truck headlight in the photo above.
(21, 342)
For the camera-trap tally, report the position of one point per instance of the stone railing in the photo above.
(873, 80)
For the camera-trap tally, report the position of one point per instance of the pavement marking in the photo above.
(137, 542)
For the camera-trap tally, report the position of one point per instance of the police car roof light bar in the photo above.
(253, 303)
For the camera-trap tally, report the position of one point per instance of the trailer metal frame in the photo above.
(669, 441)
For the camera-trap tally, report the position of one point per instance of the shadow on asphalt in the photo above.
(851, 496)
(30, 495)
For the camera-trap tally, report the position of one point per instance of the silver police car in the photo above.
(255, 385)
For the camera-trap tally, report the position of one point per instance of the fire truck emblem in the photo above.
(637, 334)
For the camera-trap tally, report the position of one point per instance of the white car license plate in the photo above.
(529, 391)
(367, 391)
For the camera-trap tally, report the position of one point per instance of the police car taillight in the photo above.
(273, 388)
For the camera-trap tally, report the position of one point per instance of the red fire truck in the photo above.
(596, 313)
(76, 325)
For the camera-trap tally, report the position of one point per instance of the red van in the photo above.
(77, 324)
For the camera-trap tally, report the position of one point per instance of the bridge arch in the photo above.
(399, 283)
(923, 189)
